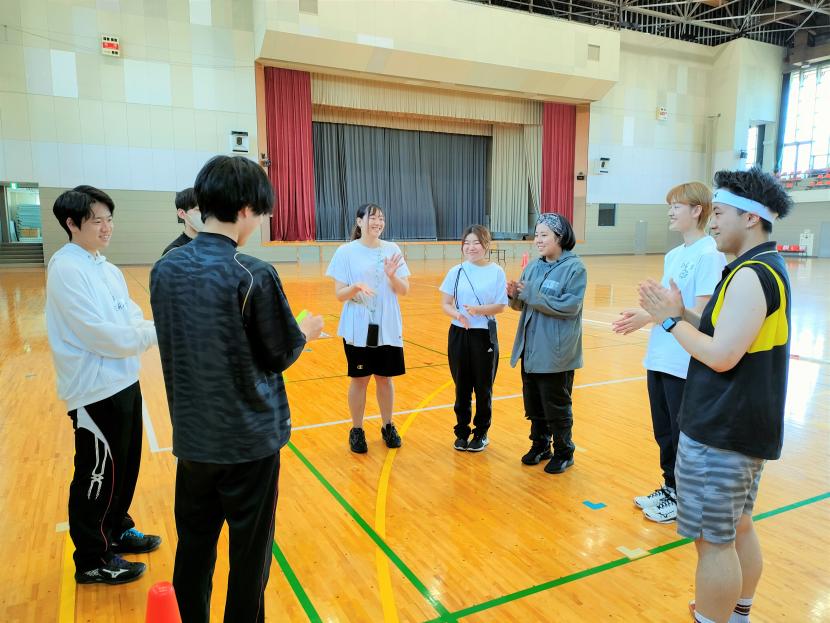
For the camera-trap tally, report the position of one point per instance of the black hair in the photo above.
(185, 200)
(568, 238)
(362, 211)
(76, 205)
(227, 184)
(758, 186)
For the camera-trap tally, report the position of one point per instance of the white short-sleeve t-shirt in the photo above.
(488, 282)
(696, 270)
(353, 263)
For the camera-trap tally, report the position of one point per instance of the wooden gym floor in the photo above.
(426, 533)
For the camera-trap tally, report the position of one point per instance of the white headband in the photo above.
(742, 203)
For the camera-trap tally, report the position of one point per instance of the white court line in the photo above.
(433, 408)
(151, 432)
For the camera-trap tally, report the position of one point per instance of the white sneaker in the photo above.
(654, 498)
(664, 512)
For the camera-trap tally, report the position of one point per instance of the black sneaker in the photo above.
(135, 542)
(357, 441)
(460, 444)
(390, 436)
(557, 466)
(116, 571)
(538, 452)
(478, 443)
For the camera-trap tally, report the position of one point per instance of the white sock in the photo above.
(699, 618)
(741, 612)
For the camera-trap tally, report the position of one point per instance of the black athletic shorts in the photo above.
(380, 360)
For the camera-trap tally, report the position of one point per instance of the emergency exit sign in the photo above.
(110, 46)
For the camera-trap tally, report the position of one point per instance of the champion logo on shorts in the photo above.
(360, 366)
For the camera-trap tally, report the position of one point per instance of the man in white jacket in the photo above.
(96, 333)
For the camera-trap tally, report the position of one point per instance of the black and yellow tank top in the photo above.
(742, 409)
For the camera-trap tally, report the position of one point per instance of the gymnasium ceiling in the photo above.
(708, 22)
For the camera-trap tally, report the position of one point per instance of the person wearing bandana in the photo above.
(732, 416)
(550, 295)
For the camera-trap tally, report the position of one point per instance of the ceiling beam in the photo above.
(807, 6)
(633, 8)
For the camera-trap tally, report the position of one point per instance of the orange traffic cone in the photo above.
(161, 604)
(524, 260)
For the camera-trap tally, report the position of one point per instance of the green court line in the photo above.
(499, 601)
(302, 597)
(445, 614)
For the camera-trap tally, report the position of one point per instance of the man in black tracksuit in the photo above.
(226, 333)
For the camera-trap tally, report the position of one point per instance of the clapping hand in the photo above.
(630, 320)
(661, 302)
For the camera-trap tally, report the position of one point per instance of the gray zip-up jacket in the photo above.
(549, 335)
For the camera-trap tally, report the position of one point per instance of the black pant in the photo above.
(473, 365)
(108, 438)
(665, 393)
(207, 495)
(547, 401)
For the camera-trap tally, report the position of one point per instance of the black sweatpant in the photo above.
(207, 495)
(108, 437)
(547, 402)
(665, 393)
(473, 365)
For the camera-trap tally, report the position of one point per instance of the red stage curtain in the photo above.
(288, 122)
(558, 138)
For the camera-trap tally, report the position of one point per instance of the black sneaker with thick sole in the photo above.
(116, 571)
(357, 441)
(478, 443)
(390, 436)
(537, 454)
(460, 444)
(557, 466)
(134, 541)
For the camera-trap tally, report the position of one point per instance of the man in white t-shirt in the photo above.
(696, 267)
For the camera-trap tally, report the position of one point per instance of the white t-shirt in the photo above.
(353, 263)
(696, 270)
(489, 283)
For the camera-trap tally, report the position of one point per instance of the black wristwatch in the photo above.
(670, 323)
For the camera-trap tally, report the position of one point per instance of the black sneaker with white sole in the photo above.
(478, 443)
(538, 452)
(116, 571)
(357, 441)
(460, 444)
(557, 465)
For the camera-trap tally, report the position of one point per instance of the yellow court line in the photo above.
(387, 598)
(66, 607)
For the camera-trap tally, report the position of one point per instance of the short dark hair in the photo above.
(369, 208)
(568, 238)
(185, 200)
(227, 184)
(76, 205)
(758, 186)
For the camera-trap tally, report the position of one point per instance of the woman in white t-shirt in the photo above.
(369, 274)
(696, 267)
(472, 294)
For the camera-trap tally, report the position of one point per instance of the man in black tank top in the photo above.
(732, 415)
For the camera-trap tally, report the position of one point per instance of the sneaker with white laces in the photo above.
(116, 571)
(654, 498)
(664, 512)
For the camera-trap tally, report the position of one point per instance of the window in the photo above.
(755, 146)
(607, 215)
(807, 126)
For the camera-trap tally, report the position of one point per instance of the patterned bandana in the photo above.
(553, 222)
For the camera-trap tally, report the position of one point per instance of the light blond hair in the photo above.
(693, 194)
